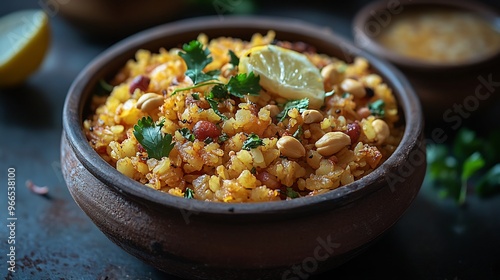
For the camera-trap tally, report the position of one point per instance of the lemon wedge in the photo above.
(24, 40)
(286, 73)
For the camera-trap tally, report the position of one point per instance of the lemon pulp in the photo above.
(24, 40)
(285, 72)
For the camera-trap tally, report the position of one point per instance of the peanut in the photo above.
(353, 87)
(149, 101)
(313, 159)
(273, 110)
(291, 147)
(312, 116)
(330, 74)
(381, 129)
(332, 142)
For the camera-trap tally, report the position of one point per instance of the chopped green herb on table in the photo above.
(470, 165)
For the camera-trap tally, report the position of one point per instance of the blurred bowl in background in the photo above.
(447, 49)
(118, 18)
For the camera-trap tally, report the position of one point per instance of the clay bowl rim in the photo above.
(88, 78)
(369, 43)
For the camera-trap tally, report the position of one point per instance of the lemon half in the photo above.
(286, 73)
(24, 40)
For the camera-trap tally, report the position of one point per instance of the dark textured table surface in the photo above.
(435, 239)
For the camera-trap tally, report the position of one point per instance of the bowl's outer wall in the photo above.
(265, 242)
(194, 246)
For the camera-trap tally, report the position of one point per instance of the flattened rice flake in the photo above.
(221, 169)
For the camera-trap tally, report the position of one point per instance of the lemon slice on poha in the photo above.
(286, 73)
(24, 40)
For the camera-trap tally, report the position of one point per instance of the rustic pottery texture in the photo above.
(205, 240)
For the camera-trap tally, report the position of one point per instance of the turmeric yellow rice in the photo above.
(228, 120)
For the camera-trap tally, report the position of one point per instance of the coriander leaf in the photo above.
(195, 96)
(300, 104)
(437, 162)
(186, 133)
(253, 141)
(466, 143)
(243, 84)
(219, 91)
(215, 106)
(197, 58)
(189, 193)
(104, 85)
(234, 59)
(489, 184)
(149, 135)
(208, 140)
(472, 164)
(298, 132)
(223, 138)
(377, 108)
(291, 193)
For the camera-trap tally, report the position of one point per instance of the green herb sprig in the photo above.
(197, 58)
(149, 135)
(452, 169)
(253, 141)
(299, 104)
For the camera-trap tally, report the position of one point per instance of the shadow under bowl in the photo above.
(442, 87)
(206, 240)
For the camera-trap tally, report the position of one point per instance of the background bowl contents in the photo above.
(447, 50)
(439, 35)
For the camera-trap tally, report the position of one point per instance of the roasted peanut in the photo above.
(353, 87)
(381, 129)
(149, 101)
(273, 109)
(330, 74)
(291, 147)
(312, 116)
(313, 158)
(228, 70)
(332, 142)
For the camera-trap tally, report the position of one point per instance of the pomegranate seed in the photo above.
(204, 129)
(268, 179)
(353, 131)
(141, 82)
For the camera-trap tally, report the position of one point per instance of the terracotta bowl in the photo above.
(206, 240)
(441, 87)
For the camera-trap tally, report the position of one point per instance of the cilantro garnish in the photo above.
(219, 92)
(298, 132)
(197, 58)
(214, 105)
(149, 135)
(244, 84)
(195, 96)
(300, 104)
(234, 59)
(186, 133)
(253, 141)
(377, 108)
(189, 193)
(291, 193)
(470, 159)
(223, 138)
